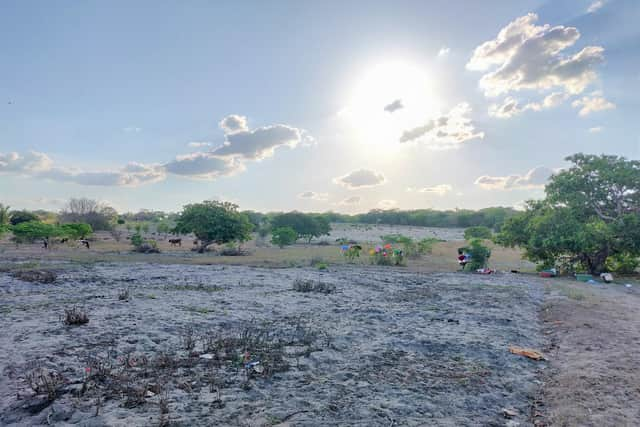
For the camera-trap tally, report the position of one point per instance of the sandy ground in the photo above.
(593, 342)
(387, 347)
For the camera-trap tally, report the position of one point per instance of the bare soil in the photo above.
(178, 344)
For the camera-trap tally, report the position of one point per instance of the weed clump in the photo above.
(306, 285)
(75, 316)
(44, 381)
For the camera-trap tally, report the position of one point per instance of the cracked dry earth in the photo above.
(213, 345)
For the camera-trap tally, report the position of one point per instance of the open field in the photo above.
(172, 339)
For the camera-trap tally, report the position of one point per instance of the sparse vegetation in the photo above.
(75, 316)
(308, 285)
(283, 236)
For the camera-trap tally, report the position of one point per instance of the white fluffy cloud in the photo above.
(233, 123)
(535, 178)
(439, 190)
(591, 104)
(24, 164)
(361, 178)
(312, 195)
(511, 107)
(595, 6)
(205, 165)
(529, 56)
(447, 131)
(259, 143)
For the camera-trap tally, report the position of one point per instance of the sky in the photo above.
(312, 106)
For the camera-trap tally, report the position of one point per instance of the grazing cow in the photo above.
(45, 243)
(85, 243)
(65, 240)
(175, 242)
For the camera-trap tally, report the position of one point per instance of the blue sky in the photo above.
(281, 105)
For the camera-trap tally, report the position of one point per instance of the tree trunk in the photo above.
(203, 246)
(596, 263)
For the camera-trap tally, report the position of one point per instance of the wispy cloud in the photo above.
(535, 178)
(361, 178)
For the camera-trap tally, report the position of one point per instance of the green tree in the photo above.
(478, 232)
(591, 212)
(18, 217)
(163, 228)
(283, 236)
(213, 222)
(31, 231)
(75, 231)
(307, 226)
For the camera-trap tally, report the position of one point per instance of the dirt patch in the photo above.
(594, 342)
(389, 347)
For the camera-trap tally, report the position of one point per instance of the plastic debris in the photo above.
(527, 352)
(606, 277)
(207, 356)
(149, 393)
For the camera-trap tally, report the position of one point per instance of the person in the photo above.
(462, 258)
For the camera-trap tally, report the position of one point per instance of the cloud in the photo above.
(233, 123)
(199, 144)
(205, 165)
(439, 190)
(24, 164)
(595, 6)
(444, 51)
(312, 195)
(353, 200)
(361, 178)
(387, 204)
(447, 131)
(395, 105)
(591, 104)
(241, 145)
(535, 178)
(510, 106)
(529, 56)
(596, 129)
(259, 143)
(132, 129)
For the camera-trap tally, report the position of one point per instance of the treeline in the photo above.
(492, 218)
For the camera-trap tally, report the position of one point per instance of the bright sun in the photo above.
(388, 99)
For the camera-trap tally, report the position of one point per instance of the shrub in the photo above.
(33, 230)
(386, 255)
(18, 217)
(75, 316)
(478, 232)
(479, 254)
(622, 263)
(146, 246)
(284, 236)
(303, 285)
(351, 252)
(76, 230)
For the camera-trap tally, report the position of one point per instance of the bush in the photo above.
(478, 232)
(142, 245)
(75, 231)
(479, 255)
(386, 255)
(18, 217)
(411, 248)
(33, 230)
(351, 252)
(622, 264)
(284, 236)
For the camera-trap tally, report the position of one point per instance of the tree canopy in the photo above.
(591, 212)
(18, 217)
(214, 222)
(307, 226)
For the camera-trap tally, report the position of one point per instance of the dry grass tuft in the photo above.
(75, 316)
(306, 285)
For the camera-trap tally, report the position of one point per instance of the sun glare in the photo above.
(387, 99)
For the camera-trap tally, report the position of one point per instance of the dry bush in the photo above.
(124, 295)
(44, 381)
(306, 285)
(35, 276)
(75, 316)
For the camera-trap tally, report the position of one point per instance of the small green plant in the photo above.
(283, 236)
(478, 255)
(322, 266)
(143, 245)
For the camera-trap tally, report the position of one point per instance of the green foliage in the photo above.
(479, 254)
(478, 232)
(28, 232)
(386, 255)
(137, 240)
(140, 244)
(623, 263)
(307, 226)
(121, 221)
(4, 215)
(411, 248)
(214, 222)
(352, 252)
(283, 236)
(18, 217)
(591, 212)
(75, 231)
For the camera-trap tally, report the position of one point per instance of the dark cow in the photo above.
(175, 242)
